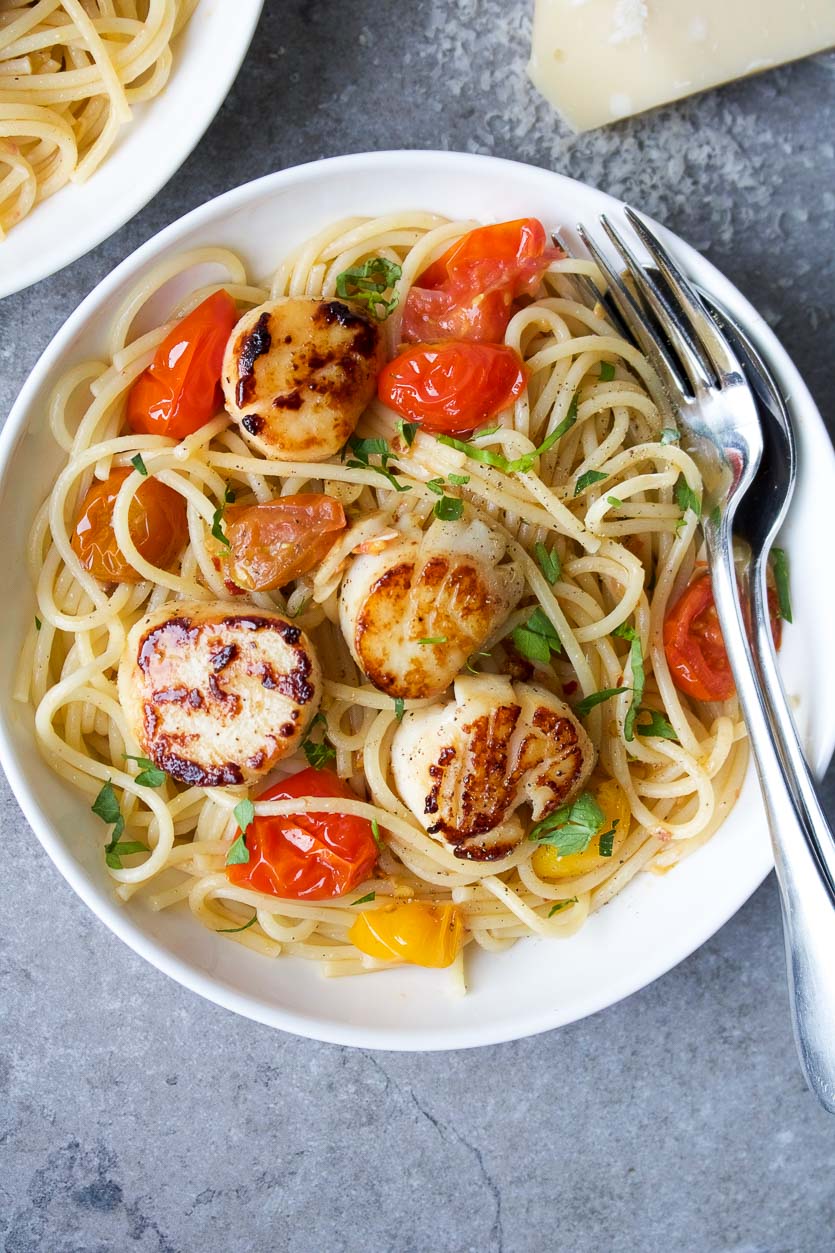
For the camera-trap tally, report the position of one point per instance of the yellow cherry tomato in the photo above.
(415, 932)
(612, 799)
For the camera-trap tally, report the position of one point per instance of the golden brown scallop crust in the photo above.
(216, 694)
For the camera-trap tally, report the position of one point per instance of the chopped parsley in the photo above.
(238, 854)
(217, 525)
(399, 708)
(318, 752)
(607, 371)
(114, 852)
(244, 813)
(459, 480)
(149, 775)
(245, 927)
(571, 828)
(449, 509)
(614, 502)
(686, 498)
(106, 807)
(365, 449)
(780, 569)
(407, 431)
(139, 465)
(587, 479)
(229, 496)
(369, 284)
(537, 639)
(596, 698)
(469, 665)
(433, 639)
(520, 465)
(549, 563)
(606, 843)
(38, 624)
(375, 831)
(669, 435)
(363, 900)
(658, 727)
(636, 657)
(560, 905)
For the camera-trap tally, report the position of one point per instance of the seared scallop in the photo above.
(298, 373)
(413, 613)
(216, 694)
(464, 767)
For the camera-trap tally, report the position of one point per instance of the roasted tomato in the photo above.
(307, 857)
(452, 387)
(180, 391)
(415, 931)
(156, 521)
(694, 645)
(468, 293)
(614, 802)
(271, 544)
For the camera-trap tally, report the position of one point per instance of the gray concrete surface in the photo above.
(135, 1117)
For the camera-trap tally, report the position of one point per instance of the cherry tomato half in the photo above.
(272, 543)
(694, 645)
(414, 931)
(307, 857)
(468, 293)
(452, 387)
(180, 391)
(156, 522)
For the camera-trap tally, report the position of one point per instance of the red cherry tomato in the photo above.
(180, 391)
(694, 645)
(468, 293)
(452, 387)
(307, 857)
(156, 522)
(272, 543)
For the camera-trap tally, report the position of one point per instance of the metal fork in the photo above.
(746, 454)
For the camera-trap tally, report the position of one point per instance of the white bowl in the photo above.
(162, 133)
(537, 985)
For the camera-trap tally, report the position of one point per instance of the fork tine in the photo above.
(697, 365)
(636, 321)
(590, 292)
(708, 336)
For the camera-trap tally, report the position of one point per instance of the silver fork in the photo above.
(748, 468)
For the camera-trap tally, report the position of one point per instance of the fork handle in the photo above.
(798, 827)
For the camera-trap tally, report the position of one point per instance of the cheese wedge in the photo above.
(600, 60)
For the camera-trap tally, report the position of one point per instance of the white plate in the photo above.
(536, 985)
(162, 133)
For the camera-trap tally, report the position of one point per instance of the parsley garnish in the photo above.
(297, 613)
(607, 371)
(571, 828)
(587, 479)
(317, 752)
(38, 624)
(521, 465)
(669, 435)
(469, 665)
(686, 498)
(139, 464)
(636, 657)
(780, 569)
(433, 639)
(459, 480)
(149, 775)
(229, 495)
(375, 831)
(549, 563)
(596, 698)
(368, 283)
(436, 486)
(114, 852)
(407, 431)
(657, 727)
(449, 508)
(232, 930)
(614, 502)
(537, 639)
(364, 449)
(217, 528)
(363, 900)
(106, 807)
(244, 812)
(558, 905)
(606, 843)
(399, 708)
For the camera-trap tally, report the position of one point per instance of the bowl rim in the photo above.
(34, 266)
(118, 919)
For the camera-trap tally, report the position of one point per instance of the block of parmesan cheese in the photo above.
(599, 60)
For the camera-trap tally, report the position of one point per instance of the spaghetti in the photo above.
(70, 74)
(622, 551)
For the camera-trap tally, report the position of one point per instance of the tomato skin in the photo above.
(468, 293)
(272, 543)
(156, 521)
(180, 390)
(412, 931)
(307, 857)
(452, 387)
(694, 646)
